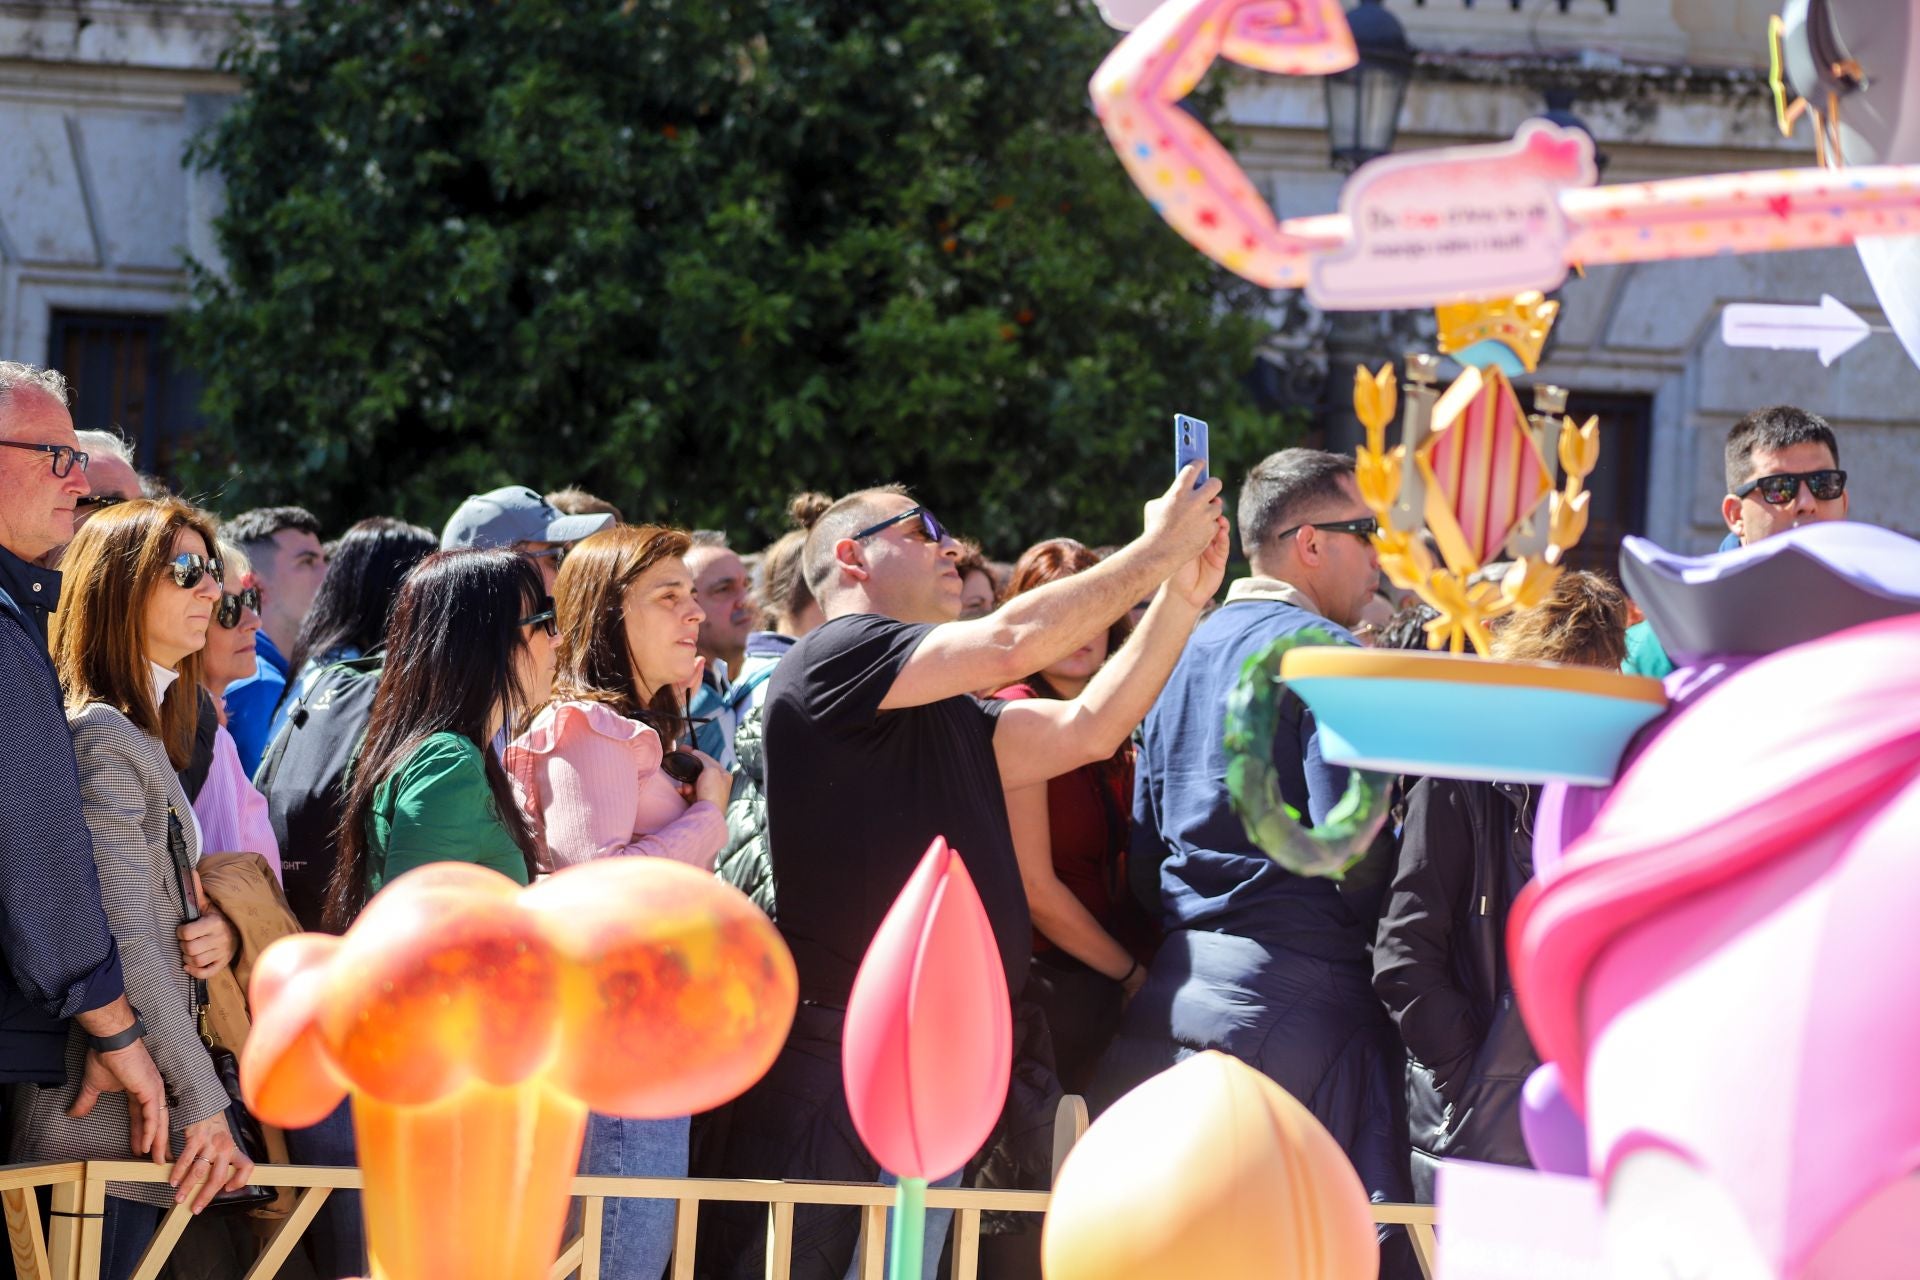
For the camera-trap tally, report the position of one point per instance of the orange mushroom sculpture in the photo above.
(476, 1023)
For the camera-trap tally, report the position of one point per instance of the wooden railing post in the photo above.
(686, 1230)
(780, 1240)
(161, 1246)
(24, 1234)
(1069, 1122)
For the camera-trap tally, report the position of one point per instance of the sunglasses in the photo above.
(545, 618)
(64, 455)
(1364, 527)
(1779, 490)
(190, 567)
(234, 603)
(928, 525)
(556, 553)
(98, 501)
(682, 766)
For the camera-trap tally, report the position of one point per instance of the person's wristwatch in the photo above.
(119, 1039)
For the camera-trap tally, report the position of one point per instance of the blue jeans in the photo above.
(337, 1238)
(129, 1227)
(939, 1221)
(636, 1235)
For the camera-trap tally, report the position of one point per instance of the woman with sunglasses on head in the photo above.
(470, 650)
(598, 771)
(232, 812)
(141, 586)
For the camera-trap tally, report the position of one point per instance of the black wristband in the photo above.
(1132, 969)
(119, 1039)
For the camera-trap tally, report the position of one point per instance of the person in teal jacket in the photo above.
(470, 650)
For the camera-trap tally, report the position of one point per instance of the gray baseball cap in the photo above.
(514, 514)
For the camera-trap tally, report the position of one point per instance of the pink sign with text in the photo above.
(1456, 225)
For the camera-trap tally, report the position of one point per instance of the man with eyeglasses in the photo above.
(60, 961)
(874, 745)
(1268, 966)
(1783, 471)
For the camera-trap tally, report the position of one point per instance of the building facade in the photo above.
(98, 212)
(1668, 88)
(99, 216)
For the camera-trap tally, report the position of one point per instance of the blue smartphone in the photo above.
(1189, 445)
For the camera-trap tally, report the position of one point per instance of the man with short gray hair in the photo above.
(60, 960)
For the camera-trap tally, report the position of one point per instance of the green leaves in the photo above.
(695, 257)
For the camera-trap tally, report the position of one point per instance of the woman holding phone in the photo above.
(141, 582)
(598, 774)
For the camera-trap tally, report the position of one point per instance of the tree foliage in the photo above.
(694, 255)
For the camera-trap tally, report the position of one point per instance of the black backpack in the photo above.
(304, 778)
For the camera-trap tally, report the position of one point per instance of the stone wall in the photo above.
(97, 102)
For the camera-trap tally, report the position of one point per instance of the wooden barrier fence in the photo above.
(70, 1249)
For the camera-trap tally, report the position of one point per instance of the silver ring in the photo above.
(201, 1160)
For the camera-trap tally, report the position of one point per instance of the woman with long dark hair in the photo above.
(1091, 943)
(594, 770)
(349, 617)
(470, 651)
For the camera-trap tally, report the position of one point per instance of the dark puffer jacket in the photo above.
(1439, 964)
(747, 862)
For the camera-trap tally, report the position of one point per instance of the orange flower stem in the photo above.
(473, 1187)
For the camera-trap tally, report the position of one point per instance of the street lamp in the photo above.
(1560, 111)
(1363, 102)
(1363, 114)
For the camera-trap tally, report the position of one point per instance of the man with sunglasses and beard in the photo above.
(875, 746)
(1266, 965)
(58, 960)
(1783, 471)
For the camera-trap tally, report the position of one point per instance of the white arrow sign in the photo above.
(1832, 328)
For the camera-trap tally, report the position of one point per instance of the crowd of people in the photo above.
(226, 730)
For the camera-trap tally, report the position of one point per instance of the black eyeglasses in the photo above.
(1779, 490)
(189, 568)
(64, 455)
(546, 617)
(232, 603)
(928, 525)
(98, 501)
(1363, 528)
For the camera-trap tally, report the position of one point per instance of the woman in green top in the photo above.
(470, 649)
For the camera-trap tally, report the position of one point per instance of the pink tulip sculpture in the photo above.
(929, 1040)
(475, 1023)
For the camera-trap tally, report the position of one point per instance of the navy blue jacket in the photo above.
(59, 957)
(1212, 877)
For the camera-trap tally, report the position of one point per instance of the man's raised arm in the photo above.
(1038, 628)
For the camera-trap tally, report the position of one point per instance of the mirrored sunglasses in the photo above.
(189, 568)
(1779, 490)
(234, 603)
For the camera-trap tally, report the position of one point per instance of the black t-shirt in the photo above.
(855, 795)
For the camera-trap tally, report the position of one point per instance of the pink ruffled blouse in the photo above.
(590, 780)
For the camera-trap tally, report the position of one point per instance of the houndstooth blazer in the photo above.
(126, 788)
